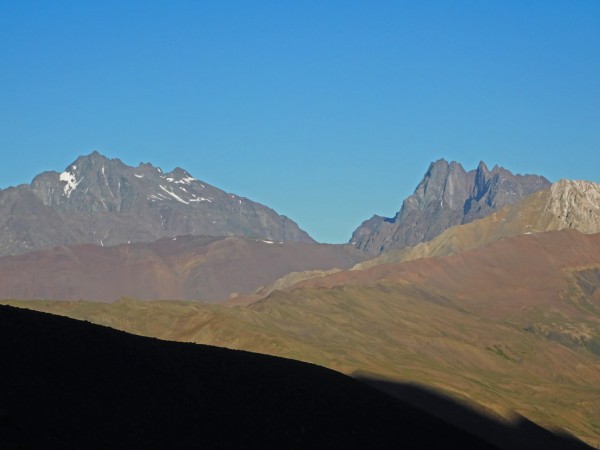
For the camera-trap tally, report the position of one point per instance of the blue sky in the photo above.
(327, 111)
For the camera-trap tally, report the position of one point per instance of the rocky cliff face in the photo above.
(447, 196)
(103, 201)
(575, 204)
(565, 205)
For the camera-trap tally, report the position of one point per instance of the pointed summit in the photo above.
(483, 168)
(94, 157)
(446, 196)
(440, 163)
(439, 185)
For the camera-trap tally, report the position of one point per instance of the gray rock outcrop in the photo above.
(447, 196)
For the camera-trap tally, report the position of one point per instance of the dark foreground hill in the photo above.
(66, 384)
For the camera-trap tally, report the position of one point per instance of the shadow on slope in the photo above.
(520, 434)
(66, 384)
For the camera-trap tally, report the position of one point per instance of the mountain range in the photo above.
(484, 288)
(103, 201)
(564, 205)
(447, 196)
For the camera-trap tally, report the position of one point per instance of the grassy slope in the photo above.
(67, 384)
(396, 331)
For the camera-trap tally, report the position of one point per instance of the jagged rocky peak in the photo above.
(146, 166)
(104, 201)
(95, 182)
(442, 184)
(54, 188)
(180, 173)
(94, 162)
(447, 195)
(91, 183)
(482, 178)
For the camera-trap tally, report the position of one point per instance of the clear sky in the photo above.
(327, 111)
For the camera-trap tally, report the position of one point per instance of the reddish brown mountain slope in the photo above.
(185, 268)
(503, 278)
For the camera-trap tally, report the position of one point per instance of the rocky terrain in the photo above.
(574, 205)
(447, 196)
(571, 205)
(102, 201)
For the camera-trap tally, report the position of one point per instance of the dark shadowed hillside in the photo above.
(66, 384)
(519, 434)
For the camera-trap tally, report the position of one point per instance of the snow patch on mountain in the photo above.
(70, 180)
(186, 180)
(135, 204)
(172, 194)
